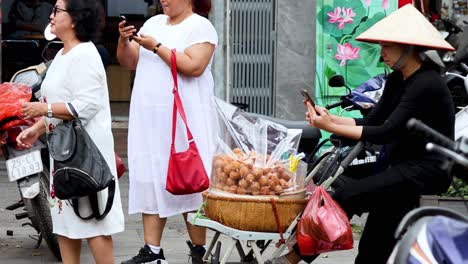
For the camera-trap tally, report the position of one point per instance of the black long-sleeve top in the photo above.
(423, 96)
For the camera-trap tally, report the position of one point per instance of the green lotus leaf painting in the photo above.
(339, 22)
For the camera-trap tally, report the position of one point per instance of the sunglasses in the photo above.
(57, 8)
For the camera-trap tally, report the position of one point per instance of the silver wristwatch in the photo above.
(50, 114)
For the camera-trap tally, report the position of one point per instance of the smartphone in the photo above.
(307, 97)
(123, 18)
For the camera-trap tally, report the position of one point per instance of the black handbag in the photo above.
(80, 170)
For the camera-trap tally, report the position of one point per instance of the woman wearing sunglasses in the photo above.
(77, 76)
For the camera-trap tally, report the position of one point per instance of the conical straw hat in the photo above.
(406, 26)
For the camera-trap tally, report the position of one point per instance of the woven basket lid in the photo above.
(406, 26)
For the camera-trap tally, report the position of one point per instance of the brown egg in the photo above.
(283, 183)
(249, 178)
(233, 189)
(237, 150)
(227, 168)
(218, 163)
(249, 163)
(286, 176)
(278, 189)
(227, 159)
(263, 181)
(222, 176)
(258, 172)
(234, 175)
(243, 183)
(274, 178)
(255, 187)
(255, 193)
(235, 165)
(244, 170)
(230, 182)
(264, 190)
(241, 191)
(280, 170)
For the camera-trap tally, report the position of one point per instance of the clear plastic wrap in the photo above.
(256, 156)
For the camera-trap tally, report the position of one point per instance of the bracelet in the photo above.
(156, 48)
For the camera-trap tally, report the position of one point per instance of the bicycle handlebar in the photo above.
(431, 134)
(448, 153)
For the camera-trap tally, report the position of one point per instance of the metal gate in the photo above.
(251, 26)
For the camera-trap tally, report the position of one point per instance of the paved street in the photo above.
(19, 248)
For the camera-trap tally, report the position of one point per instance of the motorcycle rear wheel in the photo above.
(40, 205)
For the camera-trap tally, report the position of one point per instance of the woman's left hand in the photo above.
(146, 42)
(318, 117)
(32, 110)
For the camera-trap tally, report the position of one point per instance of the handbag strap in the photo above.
(93, 200)
(73, 111)
(177, 102)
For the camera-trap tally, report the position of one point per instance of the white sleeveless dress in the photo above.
(150, 124)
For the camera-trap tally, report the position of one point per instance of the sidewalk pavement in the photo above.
(19, 248)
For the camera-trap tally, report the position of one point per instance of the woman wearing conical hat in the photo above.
(413, 90)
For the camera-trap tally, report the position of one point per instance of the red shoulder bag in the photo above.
(185, 173)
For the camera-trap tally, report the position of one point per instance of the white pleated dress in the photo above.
(79, 78)
(149, 136)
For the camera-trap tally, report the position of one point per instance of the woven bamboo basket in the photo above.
(252, 213)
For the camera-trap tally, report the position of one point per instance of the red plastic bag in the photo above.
(324, 226)
(12, 95)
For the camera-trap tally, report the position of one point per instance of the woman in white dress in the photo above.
(181, 27)
(77, 76)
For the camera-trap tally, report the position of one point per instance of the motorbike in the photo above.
(456, 83)
(453, 63)
(461, 118)
(354, 156)
(29, 168)
(421, 231)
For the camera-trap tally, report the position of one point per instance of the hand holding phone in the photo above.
(307, 97)
(123, 18)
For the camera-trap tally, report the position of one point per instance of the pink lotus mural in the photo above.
(346, 52)
(339, 23)
(336, 17)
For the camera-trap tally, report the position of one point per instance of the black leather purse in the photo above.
(80, 170)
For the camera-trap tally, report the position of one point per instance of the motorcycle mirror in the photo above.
(50, 50)
(338, 81)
